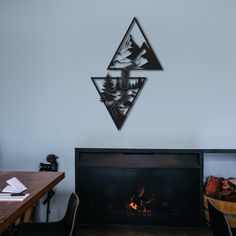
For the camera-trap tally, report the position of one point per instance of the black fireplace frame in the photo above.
(131, 151)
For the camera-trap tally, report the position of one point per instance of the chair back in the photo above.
(71, 216)
(218, 221)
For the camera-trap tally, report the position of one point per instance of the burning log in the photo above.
(139, 205)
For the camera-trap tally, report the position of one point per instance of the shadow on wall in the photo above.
(57, 206)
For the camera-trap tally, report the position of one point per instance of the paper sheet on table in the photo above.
(15, 186)
(9, 197)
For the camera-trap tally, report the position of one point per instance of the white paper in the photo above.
(10, 189)
(15, 186)
(8, 197)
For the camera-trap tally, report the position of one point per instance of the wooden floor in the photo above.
(85, 231)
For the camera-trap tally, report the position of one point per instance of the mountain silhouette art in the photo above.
(118, 95)
(134, 52)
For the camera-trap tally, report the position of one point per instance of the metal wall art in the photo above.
(119, 93)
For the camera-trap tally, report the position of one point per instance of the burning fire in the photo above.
(140, 205)
(133, 206)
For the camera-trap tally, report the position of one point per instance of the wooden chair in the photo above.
(219, 223)
(65, 227)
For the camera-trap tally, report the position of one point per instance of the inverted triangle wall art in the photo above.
(119, 93)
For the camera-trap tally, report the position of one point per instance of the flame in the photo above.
(140, 205)
(133, 206)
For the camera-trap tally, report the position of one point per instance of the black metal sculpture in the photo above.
(119, 93)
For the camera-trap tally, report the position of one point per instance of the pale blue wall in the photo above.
(49, 49)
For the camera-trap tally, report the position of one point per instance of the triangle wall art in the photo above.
(120, 93)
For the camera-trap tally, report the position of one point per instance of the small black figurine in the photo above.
(53, 166)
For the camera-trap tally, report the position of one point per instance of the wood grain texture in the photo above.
(38, 184)
(228, 208)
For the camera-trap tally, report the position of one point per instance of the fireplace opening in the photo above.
(120, 187)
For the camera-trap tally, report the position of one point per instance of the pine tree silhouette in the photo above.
(108, 90)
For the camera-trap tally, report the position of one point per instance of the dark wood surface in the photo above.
(38, 184)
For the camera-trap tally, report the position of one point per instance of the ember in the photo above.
(139, 204)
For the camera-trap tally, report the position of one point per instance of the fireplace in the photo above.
(143, 187)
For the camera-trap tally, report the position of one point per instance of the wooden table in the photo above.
(38, 184)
